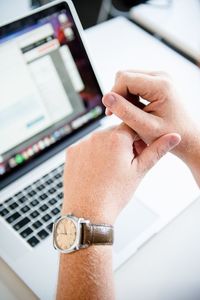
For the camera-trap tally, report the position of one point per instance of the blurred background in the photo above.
(176, 22)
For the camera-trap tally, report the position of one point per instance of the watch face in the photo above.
(65, 234)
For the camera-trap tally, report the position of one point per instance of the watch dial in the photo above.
(65, 234)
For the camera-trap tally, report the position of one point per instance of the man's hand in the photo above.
(101, 174)
(103, 171)
(163, 114)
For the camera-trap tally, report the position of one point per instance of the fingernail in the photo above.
(107, 112)
(108, 100)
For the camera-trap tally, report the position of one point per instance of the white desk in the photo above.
(10, 9)
(178, 23)
(168, 266)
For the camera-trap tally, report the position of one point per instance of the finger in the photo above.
(127, 137)
(132, 99)
(153, 153)
(143, 85)
(135, 100)
(127, 131)
(108, 112)
(133, 116)
(139, 146)
(121, 129)
(140, 71)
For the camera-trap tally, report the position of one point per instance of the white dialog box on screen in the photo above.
(71, 68)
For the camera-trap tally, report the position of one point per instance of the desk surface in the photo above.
(178, 23)
(166, 267)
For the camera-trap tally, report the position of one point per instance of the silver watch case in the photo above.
(78, 224)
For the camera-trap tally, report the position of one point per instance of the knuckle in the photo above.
(156, 127)
(163, 74)
(120, 76)
(124, 113)
(165, 83)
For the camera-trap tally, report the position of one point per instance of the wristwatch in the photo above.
(71, 233)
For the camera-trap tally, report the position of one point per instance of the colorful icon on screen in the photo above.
(19, 159)
(68, 32)
(12, 163)
(62, 18)
(2, 169)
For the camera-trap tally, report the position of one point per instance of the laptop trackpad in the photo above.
(10, 243)
(132, 222)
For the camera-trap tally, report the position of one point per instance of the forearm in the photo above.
(86, 274)
(194, 165)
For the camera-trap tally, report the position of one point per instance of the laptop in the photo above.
(51, 98)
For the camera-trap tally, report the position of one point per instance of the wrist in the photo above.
(189, 148)
(93, 213)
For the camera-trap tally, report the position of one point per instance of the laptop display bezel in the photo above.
(19, 24)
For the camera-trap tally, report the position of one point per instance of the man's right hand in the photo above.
(163, 114)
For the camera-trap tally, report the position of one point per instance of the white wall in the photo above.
(10, 9)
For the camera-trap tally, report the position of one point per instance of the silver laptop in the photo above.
(51, 98)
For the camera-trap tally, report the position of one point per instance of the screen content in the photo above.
(48, 88)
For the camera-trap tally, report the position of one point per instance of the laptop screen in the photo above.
(48, 89)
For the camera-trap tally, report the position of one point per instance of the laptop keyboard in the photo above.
(32, 211)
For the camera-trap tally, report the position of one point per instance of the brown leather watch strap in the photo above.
(98, 234)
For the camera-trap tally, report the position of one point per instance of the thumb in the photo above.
(154, 152)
